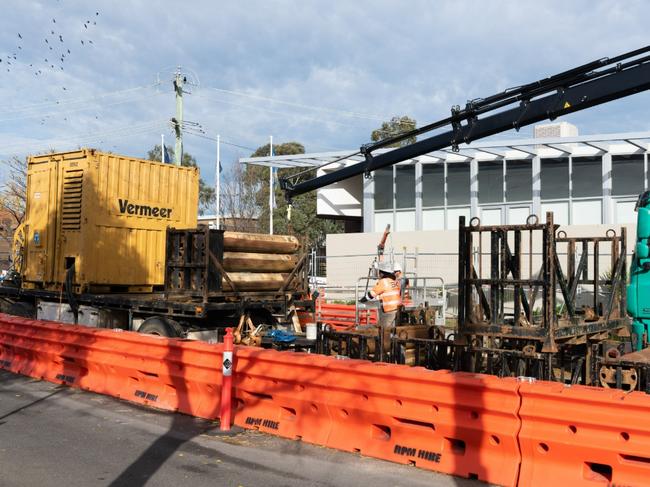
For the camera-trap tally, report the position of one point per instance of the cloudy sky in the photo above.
(324, 73)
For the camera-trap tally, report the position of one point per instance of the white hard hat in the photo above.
(385, 267)
(397, 267)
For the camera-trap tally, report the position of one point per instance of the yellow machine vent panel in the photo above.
(72, 193)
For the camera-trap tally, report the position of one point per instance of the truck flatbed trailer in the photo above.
(157, 302)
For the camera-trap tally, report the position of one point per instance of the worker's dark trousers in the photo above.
(386, 326)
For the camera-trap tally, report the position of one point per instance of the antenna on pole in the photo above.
(179, 82)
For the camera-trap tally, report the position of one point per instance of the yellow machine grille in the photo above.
(72, 193)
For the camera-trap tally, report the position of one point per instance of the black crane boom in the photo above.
(579, 88)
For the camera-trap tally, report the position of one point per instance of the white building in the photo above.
(585, 180)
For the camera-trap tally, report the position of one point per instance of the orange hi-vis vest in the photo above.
(388, 292)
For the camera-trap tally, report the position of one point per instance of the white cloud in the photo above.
(369, 57)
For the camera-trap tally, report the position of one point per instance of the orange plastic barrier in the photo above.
(342, 316)
(456, 423)
(584, 436)
(169, 374)
(470, 425)
(462, 424)
(283, 393)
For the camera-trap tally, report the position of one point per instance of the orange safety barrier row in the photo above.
(497, 430)
(461, 424)
(169, 374)
(584, 436)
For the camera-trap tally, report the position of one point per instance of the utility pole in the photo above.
(218, 182)
(271, 188)
(179, 82)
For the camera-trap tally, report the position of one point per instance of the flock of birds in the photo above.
(56, 50)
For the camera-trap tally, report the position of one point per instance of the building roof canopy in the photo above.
(585, 145)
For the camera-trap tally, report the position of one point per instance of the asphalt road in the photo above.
(57, 436)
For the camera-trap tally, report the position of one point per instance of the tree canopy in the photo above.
(395, 126)
(206, 193)
(304, 223)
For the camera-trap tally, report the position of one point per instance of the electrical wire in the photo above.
(275, 112)
(202, 136)
(80, 109)
(192, 131)
(80, 139)
(122, 133)
(346, 113)
(196, 129)
(64, 101)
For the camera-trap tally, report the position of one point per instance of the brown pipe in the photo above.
(255, 281)
(255, 262)
(257, 242)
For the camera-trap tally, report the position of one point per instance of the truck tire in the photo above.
(161, 326)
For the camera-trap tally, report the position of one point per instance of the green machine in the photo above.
(638, 290)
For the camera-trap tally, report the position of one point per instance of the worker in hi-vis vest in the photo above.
(388, 292)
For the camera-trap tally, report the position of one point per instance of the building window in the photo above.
(586, 177)
(555, 179)
(490, 182)
(519, 180)
(433, 185)
(458, 185)
(405, 186)
(405, 221)
(384, 189)
(627, 175)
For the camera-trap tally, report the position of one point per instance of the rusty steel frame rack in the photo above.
(193, 270)
(431, 353)
(642, 371)
(512, 339)
(441, 353)
(572, 364)
(484, 325)
(347, 344)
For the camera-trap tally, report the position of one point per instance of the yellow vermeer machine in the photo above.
(105, 216)
(110, 240)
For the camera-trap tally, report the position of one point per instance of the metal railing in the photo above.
(429, 291)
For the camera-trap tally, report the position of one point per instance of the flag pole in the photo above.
(218, 178)
(271, 188)
(162, 148)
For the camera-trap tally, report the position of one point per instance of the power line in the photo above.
(120, 132)
(347, 113)
(123, 131)
(284, 114)
(79, 109)
(195, 130)
(64, 101)
(197, 134)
